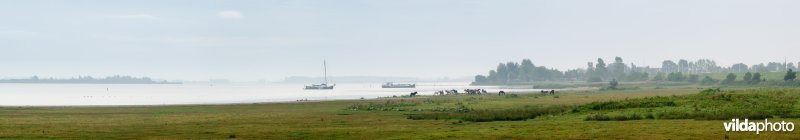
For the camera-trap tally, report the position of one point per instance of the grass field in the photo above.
(389, 118)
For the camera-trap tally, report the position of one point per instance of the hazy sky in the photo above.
(272, 39)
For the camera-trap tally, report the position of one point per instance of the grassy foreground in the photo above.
(393, 118)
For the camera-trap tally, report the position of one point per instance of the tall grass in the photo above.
(485, 115)
(388, 105)
(635, 103)
(710, 104)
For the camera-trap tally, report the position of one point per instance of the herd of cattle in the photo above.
(466, 92)
(473, 92)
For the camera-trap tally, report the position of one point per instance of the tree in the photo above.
(644, 77)
(693, 78)
(524, 72)
(600, 69)
(707, 65)
(502, 73)
(747, 77)
(513, 71)
(527, 70)
(739, 67)
(492, 76)
(481, 78)
(707, 80)
(729, 79)
(617, 69)
(683, 65)
(774, 66)
(675, 76)
(790, 75)
(613, 84)
(577, 74)
(669, 66)
(756, 78)
(659, 77)
(760, 68)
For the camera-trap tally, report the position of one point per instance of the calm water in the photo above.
(135, 94)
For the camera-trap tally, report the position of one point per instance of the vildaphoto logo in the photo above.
(758, 126)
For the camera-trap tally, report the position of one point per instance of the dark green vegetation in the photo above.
(702, 71)
(117, 79)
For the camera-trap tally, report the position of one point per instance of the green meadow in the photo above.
(651, 112)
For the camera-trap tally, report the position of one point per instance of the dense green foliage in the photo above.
(790, 75)
(600, 70)
(524, 72)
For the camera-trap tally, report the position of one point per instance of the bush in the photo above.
(708, 81)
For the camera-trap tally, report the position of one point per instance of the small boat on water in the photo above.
(393, 85)
(323, 86)
(320, 86)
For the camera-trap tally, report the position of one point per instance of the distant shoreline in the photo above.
(116, 79)
(158, 83)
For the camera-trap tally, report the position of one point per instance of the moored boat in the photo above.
(323, 85)
(393, 85)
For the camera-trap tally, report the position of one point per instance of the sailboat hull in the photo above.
(318, 87)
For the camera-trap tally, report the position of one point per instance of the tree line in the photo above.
(600, 70)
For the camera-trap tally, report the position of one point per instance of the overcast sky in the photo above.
(273, 39)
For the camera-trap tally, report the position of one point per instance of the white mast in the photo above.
(325, 71)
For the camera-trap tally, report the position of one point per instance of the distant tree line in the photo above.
(527, 72)
(116, 79)
(598, 71)
(754, 79)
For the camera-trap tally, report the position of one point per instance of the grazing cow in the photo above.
(501, 93)
(438, 93)
(552, 92)
(472, 91)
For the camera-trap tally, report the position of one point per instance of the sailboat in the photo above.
(323, 86)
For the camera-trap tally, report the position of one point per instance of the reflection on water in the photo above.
(136, 94)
